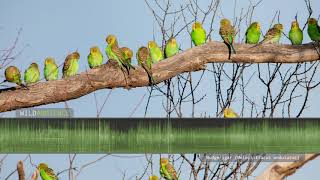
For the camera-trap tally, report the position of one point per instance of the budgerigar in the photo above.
(253, 33)
(127, 54)
(273, 35)
(32, 74)
(71, 65)
(51, 71)
(198, 34)
(172, 47)
(13, 75)
(153, 177)
(95, 58)
(145, 61)
(46, 173)
(313, 29)
(227, 33)
(167, 170)
(295, 34)
(229, 113)
(114, 52)
(155, 52)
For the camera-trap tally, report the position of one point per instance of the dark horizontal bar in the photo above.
(159, 135)
(129, 123)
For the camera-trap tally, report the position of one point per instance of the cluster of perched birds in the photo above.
(167, 171)
(147, 56)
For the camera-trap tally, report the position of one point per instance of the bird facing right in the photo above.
(198, 34)
(253, 33)
(71, 65)
(46, 173)
(50, 70)
(295, 34)
(273, 35)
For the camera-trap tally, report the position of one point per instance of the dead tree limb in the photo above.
(280, 170)
(20, 170)
(109, 76)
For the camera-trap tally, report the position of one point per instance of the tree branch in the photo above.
(280, 170)
(20, 170)
(110, 76)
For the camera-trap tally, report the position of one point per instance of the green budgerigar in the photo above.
(32, 74)
(155, 52)
(313, 29)
(273, 35)
(167, 170)
(253, 33)
(71, 65)
(145, 61)
(95, 57)
(13, 75)
(51, 71)
(295, 34)
(46, 173)
(128, 54)
(227, 33)
(198, 34)
(114, 52)
(172, 47)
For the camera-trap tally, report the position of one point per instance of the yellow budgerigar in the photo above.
(229, 113)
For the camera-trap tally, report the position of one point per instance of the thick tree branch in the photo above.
(20, 170)
(109, 76)
(280, 170)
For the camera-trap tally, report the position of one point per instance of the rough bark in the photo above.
(20, 171)
(109, 76)
(280, 170)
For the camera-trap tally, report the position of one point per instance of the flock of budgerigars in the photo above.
(147, 56)
(167, 171)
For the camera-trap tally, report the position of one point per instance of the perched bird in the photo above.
(71, 65)
(172, 47)
(155, 52)
(198, 34)
(95, 58)
(167, 171)
(273, 35)
(145, 61)
(313, 29)
(229, 113)
(32, 74)
(114, 52)
(227, 33)
(46, 173)
(50, 70)
(295, 34)
(153, 177)
(127, 54)
(253, 33)
(13, 75)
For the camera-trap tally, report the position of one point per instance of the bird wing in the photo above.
(51, 173)
(227, 34)
(117, 51)
(270, 35)
(67, 63)
(172, 171)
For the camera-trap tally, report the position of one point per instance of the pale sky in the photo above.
(56, 28)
